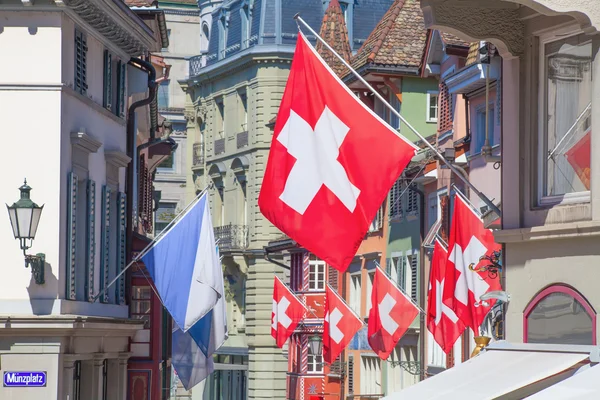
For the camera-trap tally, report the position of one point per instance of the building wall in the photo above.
(414, 106)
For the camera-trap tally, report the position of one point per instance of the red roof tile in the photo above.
(398, 40)
(450, 39)
(335, 33)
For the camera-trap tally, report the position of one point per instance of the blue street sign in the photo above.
(24, 379)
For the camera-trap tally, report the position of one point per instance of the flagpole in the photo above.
(487, 201)
(150, 245)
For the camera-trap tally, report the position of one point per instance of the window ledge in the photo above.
(549, 232)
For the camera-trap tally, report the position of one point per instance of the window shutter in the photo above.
(395, 200)
(71, 236)
(105, 243)
(402, 273)
(107, 99)
(121, 71)
(380, 216)
(350, 375)
(445, 216)
(413, 203)
(445, 109)
(90, 239)
(332, 275)
(414, 276)
(80, 62)
(121, 256)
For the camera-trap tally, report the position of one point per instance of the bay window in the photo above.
(565, 119)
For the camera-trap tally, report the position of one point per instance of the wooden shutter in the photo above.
(414, 277)
(121, 248)
(413, 201)
(71, 236)
(105, 260)
(90, 240)
(80, 62)
(380, 216)
(333, 277)
(402, 272)
(107, 96)
(350, 375)
(445, 109)
(395, 208)
(445, 216)
(121, 94)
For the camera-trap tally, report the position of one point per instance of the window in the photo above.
(244, 111)
(77, 380)
(480, 126)
(316, 274)
(559, 315)
(393, 267)
(355, 292)
(168, 163)
(370, 375)
(377, 222)
(565, 118)
(108, 81)
(394, 120)
(396, 200)
(165, 213)
(162, 96)
(221, 118)
(314, 363)
(223, 22)
(81, 49)
(245, 16)
(432, 209)
(141, 304)
(412, 207)
(205, 37)
(371, 278)
(432, 106)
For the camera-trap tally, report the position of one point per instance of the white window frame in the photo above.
(355, 293)
(480, 110)
(430, 94)
(314, 364)
(314, 283)
(567, 198)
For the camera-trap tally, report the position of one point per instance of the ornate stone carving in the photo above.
(478, 23)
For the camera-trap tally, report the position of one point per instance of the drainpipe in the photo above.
(421, 279)
(467, 119)
(149, 69)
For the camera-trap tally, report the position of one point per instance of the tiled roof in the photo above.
(141, 3)
(398, 40)
(473, 53)
(450, 39)
(335, 33)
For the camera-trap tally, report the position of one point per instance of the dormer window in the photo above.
(223, 22)
(246, 16)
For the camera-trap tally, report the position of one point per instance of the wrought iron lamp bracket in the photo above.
(36, 262)
(493, 265)
(412, 367)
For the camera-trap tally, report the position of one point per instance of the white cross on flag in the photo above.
(390, 316)
(442, 321)
(340, 326)
(463, 287)
(288, 311)
(331, 164)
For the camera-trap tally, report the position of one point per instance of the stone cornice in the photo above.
(549, 232)
(117, 158)
(85, 142)
(128, 32)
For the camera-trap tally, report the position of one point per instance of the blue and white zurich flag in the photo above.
(192, 351)
(185, 267)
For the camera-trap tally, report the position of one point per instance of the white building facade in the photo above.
(68, 61)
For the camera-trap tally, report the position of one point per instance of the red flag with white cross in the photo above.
(288, 311)
(390, 316)
(340, 326)
(442, 321)
(331, 164)
(464, 284)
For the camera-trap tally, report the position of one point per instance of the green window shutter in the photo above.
(121, 250)
(80, 62)
(414, 276)
(107, 98)
(121, 70)
(71, 236)
(105, 243)
(402, 273)
(90, 239)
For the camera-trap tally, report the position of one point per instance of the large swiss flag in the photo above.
(331, 164)
(442, 321)
(288, 311)
(340, 326)
(390, 316)
(469, 241)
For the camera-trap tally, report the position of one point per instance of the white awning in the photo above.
(583, 385)
(499, 372)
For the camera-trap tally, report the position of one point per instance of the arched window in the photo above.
(559, 315)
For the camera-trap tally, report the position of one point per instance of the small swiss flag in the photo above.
(331, 164)
(390, 316)
(442, 321)
(288, 311)
(469, 241)
(340, 326)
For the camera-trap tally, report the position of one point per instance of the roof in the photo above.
(335, 33)
(398, 39)
(450, 39)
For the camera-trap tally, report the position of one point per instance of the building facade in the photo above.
(63, 324)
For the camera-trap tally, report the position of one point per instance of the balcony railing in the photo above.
(195, 65)
(198, 159)
(242, 139)
(219, 146)
(232, 237)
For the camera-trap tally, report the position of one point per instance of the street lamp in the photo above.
(315, 345)
(24, 218)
